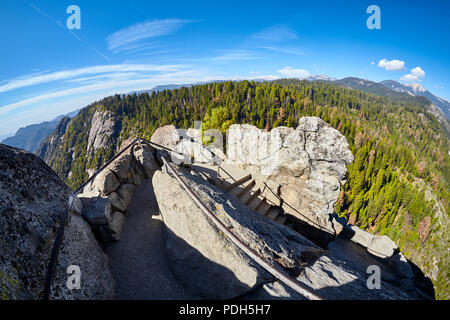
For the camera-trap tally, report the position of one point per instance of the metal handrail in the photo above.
(277, 272)
(59, 236)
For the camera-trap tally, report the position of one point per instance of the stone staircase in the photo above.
(244, 187)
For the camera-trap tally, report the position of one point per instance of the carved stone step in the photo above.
(272, 214)
(238, 182)
(255, 194)
(281, 219)
(247, 188)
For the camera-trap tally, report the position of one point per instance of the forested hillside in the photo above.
(398, 184)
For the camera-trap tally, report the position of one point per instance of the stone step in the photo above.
(255, 194)
(264, 209)
(255, 203)
(246, 190)
(281, 219)
(238, 182)
(272, 213)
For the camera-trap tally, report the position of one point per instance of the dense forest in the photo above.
(398, 184)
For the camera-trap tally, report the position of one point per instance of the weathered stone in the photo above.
(205, 261)
(106, 182)
(32, 198)
(112, 231)
(121, 167)
(144, 155)
(308, 164)
(126, 193)
(77, 206)
(116, 202)
(167, 136)
(382, 246)
(98, 212)
(359, 236)
(103, 130)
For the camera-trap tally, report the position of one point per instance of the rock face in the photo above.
(49, 145)
(105, 200)
(104, 127)
(204, 260)
(32, 198)
(211, 266)
(305, 167)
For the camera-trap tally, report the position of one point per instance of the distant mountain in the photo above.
(31, 136)
(416, 89)
(414, 93)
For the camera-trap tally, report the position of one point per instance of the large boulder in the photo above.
(204, 260)
(32, 198)
(211, 266)
(167, 136)
(145, 155)
(305, 167)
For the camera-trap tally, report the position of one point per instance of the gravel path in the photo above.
(139, 261)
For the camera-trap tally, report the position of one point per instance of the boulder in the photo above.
(117, 203)
(97, 210)
(112, 231)
(203, 259)
(121, 167)
(32, 198)
(106, 182)
(359, 236)
(305, 166)
(126, 193)
(382, 246)
(145, 156)
(167, 136)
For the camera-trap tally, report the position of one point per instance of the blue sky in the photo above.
(122, 46)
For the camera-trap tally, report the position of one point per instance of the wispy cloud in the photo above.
(236, 55)
(391, 65)
(276, 33)
(59, 24)
(292, 51)
(130, 37)
(34, 79)
(294, 73)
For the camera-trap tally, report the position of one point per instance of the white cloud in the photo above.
(416, 74)
(276, 33)
(409, 77)
(391, 65)
(294, 73)
(127, 37)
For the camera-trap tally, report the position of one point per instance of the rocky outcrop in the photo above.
(50, 144)
(105, 200)
(305, 167)
(188, 145)
(211, 266)
(105, 127)
(204, 260)
(32, 198)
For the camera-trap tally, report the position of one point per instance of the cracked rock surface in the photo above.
(305, 166)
